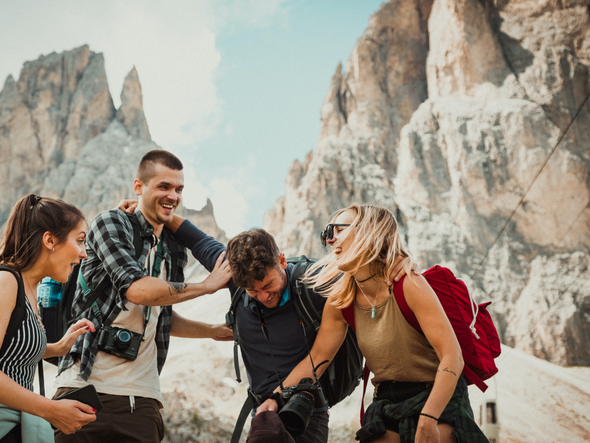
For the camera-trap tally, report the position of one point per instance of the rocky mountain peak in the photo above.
(452, 114)
(59, 135)
(131, 111)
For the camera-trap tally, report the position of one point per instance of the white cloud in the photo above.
(172, 45)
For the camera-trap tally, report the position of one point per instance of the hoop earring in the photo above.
(53, 249)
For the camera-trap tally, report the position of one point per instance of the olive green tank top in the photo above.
(394, 350)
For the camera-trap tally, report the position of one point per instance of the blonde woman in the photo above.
(420, 393)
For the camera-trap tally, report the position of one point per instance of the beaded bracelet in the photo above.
(429, 416)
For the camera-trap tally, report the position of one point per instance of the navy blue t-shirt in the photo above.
(285, 334)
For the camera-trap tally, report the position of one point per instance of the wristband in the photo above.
(429, 416)
(276, 396)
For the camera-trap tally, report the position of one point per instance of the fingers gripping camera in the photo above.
(300, 402)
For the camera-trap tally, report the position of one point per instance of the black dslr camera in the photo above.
(300, 402)
(119, 342)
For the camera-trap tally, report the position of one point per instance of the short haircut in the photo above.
(147, 165)
(251, 255)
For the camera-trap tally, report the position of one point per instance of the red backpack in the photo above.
(472, 324)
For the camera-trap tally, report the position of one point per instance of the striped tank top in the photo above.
(25, 350)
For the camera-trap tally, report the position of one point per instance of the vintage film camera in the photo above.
(300, 402)
(119, 342)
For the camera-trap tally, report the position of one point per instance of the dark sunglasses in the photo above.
(328, 233)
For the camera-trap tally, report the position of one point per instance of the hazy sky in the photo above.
(232, 87)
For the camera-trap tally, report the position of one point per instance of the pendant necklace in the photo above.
(367, 298)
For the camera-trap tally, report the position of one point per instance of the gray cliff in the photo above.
(61, 136)
(449, 112)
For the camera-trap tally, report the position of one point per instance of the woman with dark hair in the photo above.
(44, 237)
(420, 394)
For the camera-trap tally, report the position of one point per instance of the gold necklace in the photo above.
(372, 304)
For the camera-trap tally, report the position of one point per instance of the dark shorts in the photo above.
(116, 423)
(397, 392)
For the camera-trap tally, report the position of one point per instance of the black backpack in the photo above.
(344, 372)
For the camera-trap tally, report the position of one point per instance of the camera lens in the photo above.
(296, 413)
(122, 338)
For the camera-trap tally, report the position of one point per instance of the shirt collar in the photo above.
(146, 227)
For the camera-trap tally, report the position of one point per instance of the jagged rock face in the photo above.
(61, 137)
(131, 111)
(467, 156)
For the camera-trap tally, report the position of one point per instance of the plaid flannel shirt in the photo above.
(457, 413)
(111, 255)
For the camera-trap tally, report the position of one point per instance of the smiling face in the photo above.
(341, 240)
(269, 290)
(68, 253)
(161, 195)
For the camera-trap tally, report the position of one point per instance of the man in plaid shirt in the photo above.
(138, 299)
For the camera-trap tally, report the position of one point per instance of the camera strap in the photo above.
(313, 367)
(272, 356)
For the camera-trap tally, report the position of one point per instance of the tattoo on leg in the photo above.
(176, 289)
(446, 370)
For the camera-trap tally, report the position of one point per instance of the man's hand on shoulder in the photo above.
(219, 276)
(128, 206)
(221, 332)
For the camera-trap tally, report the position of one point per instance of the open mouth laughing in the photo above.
(168, 207)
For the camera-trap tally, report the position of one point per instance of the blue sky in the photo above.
(233, 87)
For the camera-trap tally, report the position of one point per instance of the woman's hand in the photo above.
(399, 271)
(69, 415)
(76, 330)
(268, 405)
(63, 346)
(427, 431)
(127, 206)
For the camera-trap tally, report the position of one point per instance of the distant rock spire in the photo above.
(131, 111)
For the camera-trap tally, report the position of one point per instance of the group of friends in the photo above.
(46, 237)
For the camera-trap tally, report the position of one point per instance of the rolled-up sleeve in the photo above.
(110, 238)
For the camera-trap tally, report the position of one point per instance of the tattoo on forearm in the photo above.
(176, 289)
(446, 370)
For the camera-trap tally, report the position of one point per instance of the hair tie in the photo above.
(36, 199)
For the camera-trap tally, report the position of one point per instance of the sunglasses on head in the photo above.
(328, 233)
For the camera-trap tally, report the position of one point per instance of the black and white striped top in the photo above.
(25, 350)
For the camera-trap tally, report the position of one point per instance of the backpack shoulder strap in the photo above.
(348, 314)
(303, 304)
(230, 321)
(400, 298)
(174, 248)
(19, 312)
(137, 238)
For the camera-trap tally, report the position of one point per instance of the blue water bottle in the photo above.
(49, 293)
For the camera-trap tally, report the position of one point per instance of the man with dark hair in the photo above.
(262, 270)
(134, 273)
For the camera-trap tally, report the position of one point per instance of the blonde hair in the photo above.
(375, 241)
